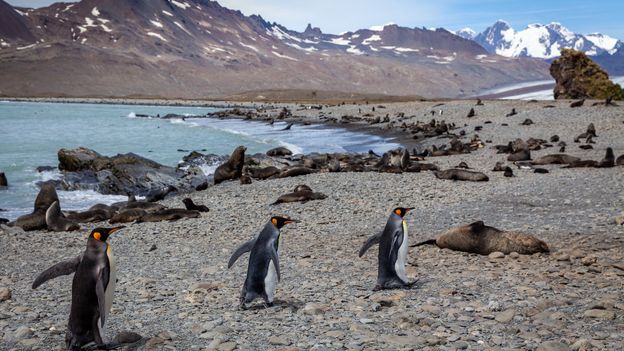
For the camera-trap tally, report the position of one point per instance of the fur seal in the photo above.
(127, 215)
(89, 216)
(295, 172)
(302, 193)
(159, 194)
(520, 155)
(147, 206)
(262, 173)
(245, 179)
(555, 159)
(37, 219)
(471, 113)
(461, 174)
(620, 161)
(232, 168)
(3, 180)
(540, 171)
(56, 221)
(608, 161)
(498, 167)
(169, 214)
(190, 205)
(279, 151)
(508, 172)
(578, 103)
(481, 239)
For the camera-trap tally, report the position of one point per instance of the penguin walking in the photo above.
(93, 289)
(263, 271)
(393, 246)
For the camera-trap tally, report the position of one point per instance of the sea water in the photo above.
(32, 133)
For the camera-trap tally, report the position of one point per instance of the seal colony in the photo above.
(175, 289)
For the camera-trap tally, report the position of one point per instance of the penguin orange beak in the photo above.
(115, 229)
(407, 209)
(291, 221)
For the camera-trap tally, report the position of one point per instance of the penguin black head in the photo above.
(402, 211)
(279, 222)
(101, 234)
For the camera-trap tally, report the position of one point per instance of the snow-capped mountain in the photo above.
(539, 41)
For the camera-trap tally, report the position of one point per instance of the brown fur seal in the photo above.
(302, 193)
(170, 214)
(461, 174)
(262, 173)
(245, 179)
(498, 167)
(36, 220)
(127, 215)
(583, 164)
(3, 180)
(620, 161)
(89, 216)
(295, 172)
(556, 159)
(279, 151)
(609, 160)
(190, 205)
(56, 221)
(147, 206)
(232, 168)
(520, 155)
(481, 239)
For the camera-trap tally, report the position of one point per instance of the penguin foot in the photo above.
(268, 304)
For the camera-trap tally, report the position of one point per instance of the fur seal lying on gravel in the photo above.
(56, 221)
(262, 173)
(461, 174)
(232, 168)
(169, 214)
(302, 193)
(556, 159)
(190, 205)
(37, 219)
(481, 239)
(127, 215)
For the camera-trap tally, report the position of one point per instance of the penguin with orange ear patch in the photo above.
(393, 246)
(92, 290)
(263, 271)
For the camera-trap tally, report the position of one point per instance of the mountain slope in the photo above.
(197, 48)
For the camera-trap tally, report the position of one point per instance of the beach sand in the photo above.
(569, 299)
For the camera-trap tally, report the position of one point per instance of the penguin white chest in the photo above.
(270, 281)
(109, 292)
(399, 265)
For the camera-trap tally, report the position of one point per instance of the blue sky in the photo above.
(338, 16)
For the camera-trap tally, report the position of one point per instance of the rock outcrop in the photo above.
(578, 77)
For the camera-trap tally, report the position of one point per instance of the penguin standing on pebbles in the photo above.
(263, 271)
(393, 246)
(93, 289)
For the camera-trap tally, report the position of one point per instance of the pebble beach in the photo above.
(175, 290)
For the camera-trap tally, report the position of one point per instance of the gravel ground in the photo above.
(175, 289)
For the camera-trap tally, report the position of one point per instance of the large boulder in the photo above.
(578, 77)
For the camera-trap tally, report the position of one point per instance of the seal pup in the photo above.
(508, 172)
(56, 221)
(93, 289)
(127, 215)
(279, 151)
(232, 168)
(461, 174)
(37, 219)
(393, 247)
(190, 205)
(578, 103)
(302, 193)
(263, 270)
(262, 173)
(481, 239)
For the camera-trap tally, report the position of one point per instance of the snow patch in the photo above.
(156, 35)
(157, 23)
(182, 5)
(167, 13)
(181, 27)
(340, 41)
(284, 56)
(406, 50)
(105, 28)
(280, 34)
(95, 12)
(381, 28)
(373, 37)
(353, 50)
(26, 47)
(310, 49)
(68, 7)
(250, 47)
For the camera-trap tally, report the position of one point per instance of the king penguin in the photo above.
(93, 289)
(263, 271)
(393, 246)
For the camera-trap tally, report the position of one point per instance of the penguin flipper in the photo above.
(373, 240)
(275, 259)
(100, 291)
(59, 269)
(246, 247)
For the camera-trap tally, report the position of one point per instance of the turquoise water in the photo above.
(32, 133)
